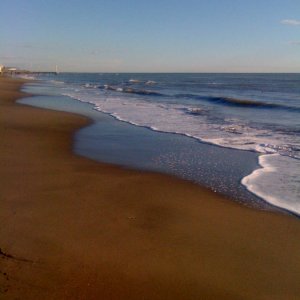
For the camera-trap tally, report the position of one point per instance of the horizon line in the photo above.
(188, 72)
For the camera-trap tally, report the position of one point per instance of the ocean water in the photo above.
(258, 113)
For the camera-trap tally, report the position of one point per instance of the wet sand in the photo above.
(72, 228)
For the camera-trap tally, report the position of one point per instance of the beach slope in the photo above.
(72, 228)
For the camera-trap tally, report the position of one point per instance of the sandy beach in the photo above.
(72, 228)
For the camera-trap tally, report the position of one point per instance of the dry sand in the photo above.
(72, 228)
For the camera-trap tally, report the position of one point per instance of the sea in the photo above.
(237, 134)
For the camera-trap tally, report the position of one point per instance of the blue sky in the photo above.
(151, 36)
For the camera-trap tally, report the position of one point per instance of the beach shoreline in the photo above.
(148, 150)
(78, 229)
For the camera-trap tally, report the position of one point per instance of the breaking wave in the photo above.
(227, 101)
(238, 102)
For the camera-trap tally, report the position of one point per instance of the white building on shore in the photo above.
(1, 69)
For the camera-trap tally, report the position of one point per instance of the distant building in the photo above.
(1, 69)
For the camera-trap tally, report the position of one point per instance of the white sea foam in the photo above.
(191, 121)
(150, 82)
(57, 81)
(278, 181)
(27, 76)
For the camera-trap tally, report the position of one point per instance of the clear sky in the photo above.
(151, 36)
